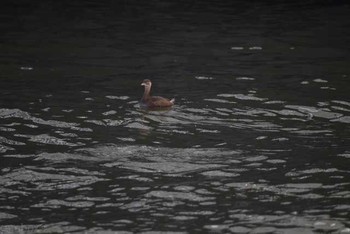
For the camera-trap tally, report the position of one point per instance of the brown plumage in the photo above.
(150, 102)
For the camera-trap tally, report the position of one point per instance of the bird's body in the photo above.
(153, 102)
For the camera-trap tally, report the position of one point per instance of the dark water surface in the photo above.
(258, 141)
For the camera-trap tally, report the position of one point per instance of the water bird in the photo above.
(153, 102)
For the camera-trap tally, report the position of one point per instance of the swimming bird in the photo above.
(153, 102)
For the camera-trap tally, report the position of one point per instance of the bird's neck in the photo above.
(146, 94)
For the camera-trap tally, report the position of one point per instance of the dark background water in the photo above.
(258, 140)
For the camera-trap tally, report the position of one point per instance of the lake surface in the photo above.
(258, 141)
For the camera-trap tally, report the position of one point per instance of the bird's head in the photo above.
(146, 83)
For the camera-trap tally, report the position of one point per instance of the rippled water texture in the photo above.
(258, 141)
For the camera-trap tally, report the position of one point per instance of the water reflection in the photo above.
(160, 181)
